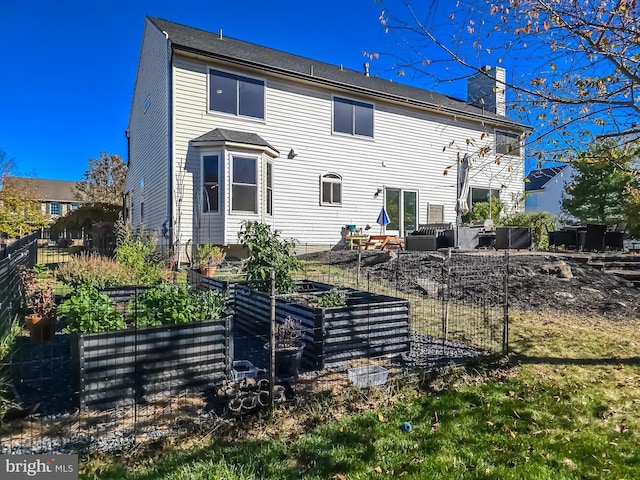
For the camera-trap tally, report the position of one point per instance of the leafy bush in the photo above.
(95, 271)
(540, 223)
(138, 252)
(169, 303)
(336, 297)
(484, 210)
(267, 252)
(89, 311)
(210, 255)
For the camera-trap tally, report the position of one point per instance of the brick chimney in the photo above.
(486, 90)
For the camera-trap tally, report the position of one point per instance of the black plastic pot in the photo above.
(288, 363)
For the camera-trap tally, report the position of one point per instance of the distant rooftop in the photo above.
(45, 190)
(539, 178)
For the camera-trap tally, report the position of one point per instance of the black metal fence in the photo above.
(402, 312)
(22, 252)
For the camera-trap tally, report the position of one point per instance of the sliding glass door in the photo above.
(402, 208)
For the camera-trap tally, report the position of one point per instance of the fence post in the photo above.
(445, 297)
(272, 340)
(505, 320)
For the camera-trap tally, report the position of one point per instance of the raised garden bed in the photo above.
(369, 325)
(133, 365)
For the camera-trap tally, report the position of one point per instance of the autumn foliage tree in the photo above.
(104, 180)
(573, 66)
(20, 212)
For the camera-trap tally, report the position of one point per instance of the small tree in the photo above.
(267, 252)
(104, 181)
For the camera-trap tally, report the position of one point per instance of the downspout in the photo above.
(170, 143)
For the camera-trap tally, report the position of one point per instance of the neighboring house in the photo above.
(544, 188)
(56, 198)
(222, 131)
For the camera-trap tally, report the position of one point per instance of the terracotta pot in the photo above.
(40, 329)
(208, 271)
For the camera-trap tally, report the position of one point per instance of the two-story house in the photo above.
(222, 131)
(55, 198)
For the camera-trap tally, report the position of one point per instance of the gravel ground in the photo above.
(538, 281)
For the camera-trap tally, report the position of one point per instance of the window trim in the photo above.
(353, 102)
(329, 179)
(268, 189)
(256, 159)
(220, 155)
(237, 76)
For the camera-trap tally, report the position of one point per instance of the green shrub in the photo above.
(484, 210)
(267, 252)
(89, 311)
(138, 252)
(540, 223)
(95, 271)
(169, 303)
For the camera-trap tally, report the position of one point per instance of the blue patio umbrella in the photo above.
(383, 219)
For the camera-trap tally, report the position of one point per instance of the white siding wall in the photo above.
(411, 149)
(149, 132)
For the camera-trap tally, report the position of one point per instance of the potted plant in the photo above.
(40, 302)
(289, 345)
(209, 257)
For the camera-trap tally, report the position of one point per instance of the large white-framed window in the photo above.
(486, 195)
(507, 143)
(352, 117)
(236, 94)
(331, 189)
(269, 187)
(244, 185)
(211, 182)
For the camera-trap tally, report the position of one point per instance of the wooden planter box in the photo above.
(370, 325)
(131, 366)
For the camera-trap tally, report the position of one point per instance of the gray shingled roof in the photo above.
(236, 51)
(234, 136)
(539, 178)
(45, 190)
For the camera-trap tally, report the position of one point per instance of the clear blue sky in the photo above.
(68, 67)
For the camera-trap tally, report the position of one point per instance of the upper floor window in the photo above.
(236, 94)
(353, 118)
(244, 186)
(508, 143)
(331, 189)
(210, 183)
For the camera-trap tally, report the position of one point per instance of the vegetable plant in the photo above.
(89, 311)
(267, 252)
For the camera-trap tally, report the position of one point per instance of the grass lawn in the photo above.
(566, 407)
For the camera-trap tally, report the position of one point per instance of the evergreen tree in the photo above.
(599, 191)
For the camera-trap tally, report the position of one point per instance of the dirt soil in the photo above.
(539, 281)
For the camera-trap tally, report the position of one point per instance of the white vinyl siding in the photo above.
(149, 133)
(408, 147)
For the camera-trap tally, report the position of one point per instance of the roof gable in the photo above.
(267, 59)
(537, 179)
